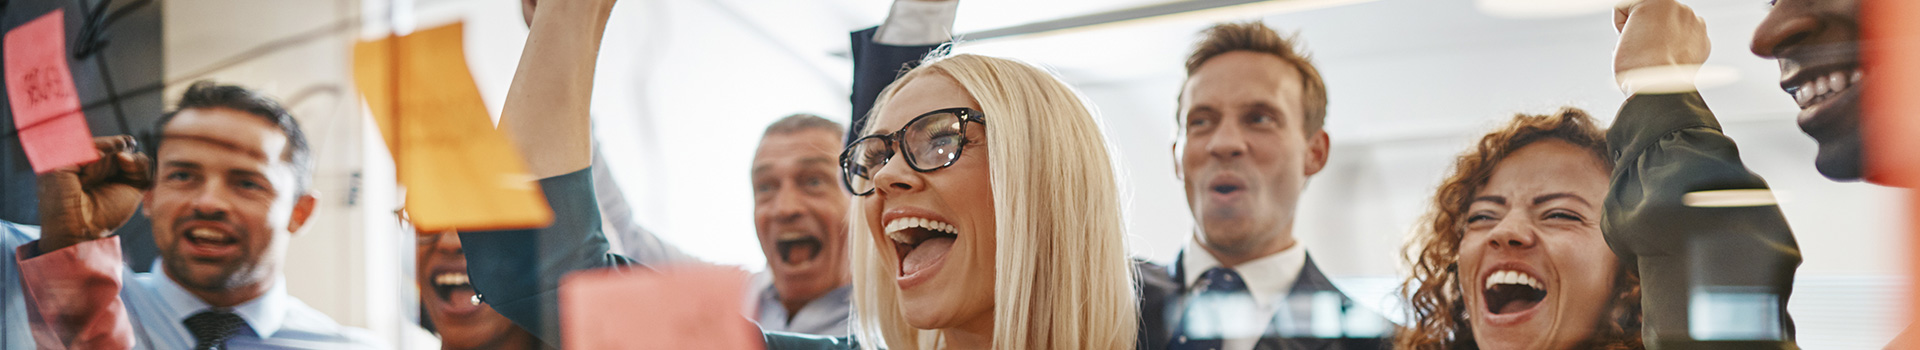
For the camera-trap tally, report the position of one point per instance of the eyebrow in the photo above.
(757, 169)
(221, 143)
(1562, 195)
(1495, 199)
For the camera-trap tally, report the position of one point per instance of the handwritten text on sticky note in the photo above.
(40, 93)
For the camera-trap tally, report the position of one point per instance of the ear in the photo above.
(302, 210)
(1178, 173)
(1318, 149)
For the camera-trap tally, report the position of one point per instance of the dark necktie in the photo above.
(213, 327)
(1219, 283)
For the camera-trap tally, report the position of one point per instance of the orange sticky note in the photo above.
(46, 108)
(460, 173)
(675, 307)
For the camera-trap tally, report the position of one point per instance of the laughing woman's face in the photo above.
(938, 225)
(1534, 268)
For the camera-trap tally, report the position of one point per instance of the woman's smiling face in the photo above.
(938, 225)
(1534, 268)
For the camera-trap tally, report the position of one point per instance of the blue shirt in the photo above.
(157, 306)
(14, 330)
(826, 315)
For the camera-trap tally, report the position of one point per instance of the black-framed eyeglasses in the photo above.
(932, 141)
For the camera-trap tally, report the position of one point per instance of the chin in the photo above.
(1840, 160)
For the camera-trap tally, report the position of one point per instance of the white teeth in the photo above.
(894, 229)
(451, 279)
(206, 234)
(1837, 81)
(1825, 87)
(1513, 277)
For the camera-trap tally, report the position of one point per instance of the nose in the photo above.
(1783, 30)
(449, 242)
(210, 203)
(1512, 233)
(1227, 142)
(897, 176)
(786, 205)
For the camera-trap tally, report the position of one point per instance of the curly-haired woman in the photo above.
(1512, 257)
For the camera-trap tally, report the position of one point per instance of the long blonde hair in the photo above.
(1062, 277)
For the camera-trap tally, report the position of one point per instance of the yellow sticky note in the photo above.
(460, 173)
(691, 306)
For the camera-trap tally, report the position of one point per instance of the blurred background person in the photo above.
(1249, 137)
(453, 311)
(1513, 256)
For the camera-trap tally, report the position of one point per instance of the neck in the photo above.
(977, 334)
(228, 297)
(1233, 256)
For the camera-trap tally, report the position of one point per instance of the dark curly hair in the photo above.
(1433, 290)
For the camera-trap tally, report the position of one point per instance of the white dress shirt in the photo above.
(1268, 279)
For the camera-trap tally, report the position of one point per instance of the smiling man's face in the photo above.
(225, 202)
(1245, 152)
(1817, 45)
(800, 213)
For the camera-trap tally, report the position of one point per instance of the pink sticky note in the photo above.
(46, 108)
(674, 307)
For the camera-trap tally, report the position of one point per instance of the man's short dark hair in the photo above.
(801, 122)
(1256, 37)
(207, 94)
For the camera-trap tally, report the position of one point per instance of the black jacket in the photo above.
(1665, 147)
(1162, 289)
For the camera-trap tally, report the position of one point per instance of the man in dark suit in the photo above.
(1250, 117)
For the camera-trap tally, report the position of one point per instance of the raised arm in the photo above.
(70, 278)
(913, 29)
(546, 114)
(518, 272)
(1709, 241)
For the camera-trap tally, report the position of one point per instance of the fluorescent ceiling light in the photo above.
(1535, 9)
(1191, 10)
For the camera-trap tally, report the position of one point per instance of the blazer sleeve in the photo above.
(1665, 147)
(875, 66)
(73, 295)
(517, 272)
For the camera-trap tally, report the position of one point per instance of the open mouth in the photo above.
(1510, 292)
(797, 248)
(455, 291)
(921, 244)
(1816, 86)
(209, 237)
(210, 245)
(1226, 185)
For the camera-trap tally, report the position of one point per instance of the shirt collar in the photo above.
(264, 314)
(1267, 278)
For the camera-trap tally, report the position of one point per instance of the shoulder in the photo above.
(306, 324)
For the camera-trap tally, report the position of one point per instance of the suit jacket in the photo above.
(1161, 298)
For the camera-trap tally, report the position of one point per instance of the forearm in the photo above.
(546, 113)
(73, 296)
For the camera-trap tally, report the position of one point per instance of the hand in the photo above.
(86, 202)
(1658, 33)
